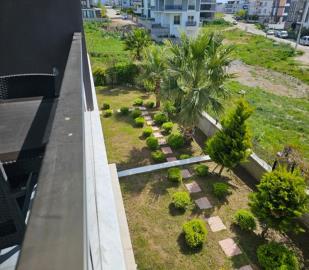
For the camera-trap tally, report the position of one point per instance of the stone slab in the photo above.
(171, 158)
(246, 267)
(185, 173)
(145, 113)
(162, 141)
(203, 203)
(229, 247)
(149, 122)
(216, 224)
(193, 187)
(148, 118)
(154, 128)
(166, 150)
(142, 108)
(157, 135)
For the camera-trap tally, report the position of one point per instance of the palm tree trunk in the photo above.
(157, 93)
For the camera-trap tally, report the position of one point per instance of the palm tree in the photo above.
(136, 41)
(153, 68)
(196, 75)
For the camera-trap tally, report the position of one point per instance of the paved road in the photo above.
(111, 13)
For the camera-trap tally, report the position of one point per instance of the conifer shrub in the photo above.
(245, 220)
(147, 132)
(181, 200)
(124, 110)
(136, 113)
(150, 104)
(195, 232)
(201, 170)
(152, 143)
(158, 156)
(107, 113)
(160, 118)
(139, 121)
(174, 175)
(184, 156)
(221, 190)
(167, 127)
(105, 106)
(138, 102)
(176, 140)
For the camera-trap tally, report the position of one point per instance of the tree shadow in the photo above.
(137, 158)
(183, 247)
(159, 187)
(200, 138)
(173, 211)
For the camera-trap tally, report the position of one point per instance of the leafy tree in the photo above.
(196, 74)
(153, 69)
(136, 41)
(241, 13)
(231, 145)
(280, 199)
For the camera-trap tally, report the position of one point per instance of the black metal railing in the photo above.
(173, 7)
(191, 23)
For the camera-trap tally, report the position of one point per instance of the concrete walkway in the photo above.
(165, 165)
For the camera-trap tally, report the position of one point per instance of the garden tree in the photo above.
(196, 72)
(280, 199)
(231, 145)
(153, 68)
(241, 13)
(136, 41)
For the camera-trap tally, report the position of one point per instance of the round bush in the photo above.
(160, 118)
(107, 113)
(221, 190)
(158, 156)
(152, 143)
(195, 232)
(105, 106)
(274, 256)
(245, 220)
(181, 200)
(99, 76)
(150, 104)
(184, 156)
(147, 132)
(201, 170)
(168, 127)
(139, 121)
(136, 113)
(138, 102)
(176, 140)
(174, 175)
(124, 110)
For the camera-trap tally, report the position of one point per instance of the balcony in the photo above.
(173, 7)
(208, 2)
(191, 23)
(191, 7)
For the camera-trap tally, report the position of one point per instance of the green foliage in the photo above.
(139, 121)
(147, 132)
(221, 190)
(121, 74)
(218, 21)
(201, 170)
(245, 220)
(174, 175)
(280, 199)
(184, 156)
(99, 76)
(105, 106)
(167, 127)
(138, 102)
(107, 113)
(232, 144)
(160, 118)
(150, 104)
(169, 108)
(124, 110)
(152, 143)
(195, 232)
(158, 156)
(181, 200)
(176, 140)
(136, 113)
(274, 256)
(241, 13)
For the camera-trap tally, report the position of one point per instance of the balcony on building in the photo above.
(191, 23)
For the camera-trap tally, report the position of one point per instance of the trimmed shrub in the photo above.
(136, 113)
(150, 104)
(174, 175)
(274, 256)
(195, 232)
(124, 110)
(139, 121)
(99, 76)
(152, 143)
(158, 156)
(167, 127)
(184, 156)
(245, 220)
(160, 118)
(107, 113)
(121, 74)
(181, 200)
(201, 170)
(147, 132)
(221, 190)
(138, 102)
(106, 106)
(176, 140)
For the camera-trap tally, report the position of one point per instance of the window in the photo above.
(177, 20)
(190, 18)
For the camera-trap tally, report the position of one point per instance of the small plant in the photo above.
(150, 104)
(158, 156)
(176, 140)
(167, 127)
(107, 113)
(152, 143)
(147, 132)
(195, 232)
(201, 170)
(105, 106)
(136, 113)
(274, 256)
(160, 118)
(181, 200)
(139, 121)
(184, 156)
(221, 190)
(174, 175)
(138, 102)
(245, 220)
(124, 110)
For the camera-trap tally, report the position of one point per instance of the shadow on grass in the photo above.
(116, 90)
(137, 158)
(183, 247)
(173, 211)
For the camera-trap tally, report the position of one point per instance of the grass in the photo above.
(156, 227)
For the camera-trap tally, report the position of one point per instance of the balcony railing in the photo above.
(191, 7)
(173, 7)
(191, 23)
(208, 2)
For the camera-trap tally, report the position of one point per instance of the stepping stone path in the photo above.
(149, 122)
(246, 267)
(154, 128)
(162, 141)
(171, 159)
(203, 203)
(166, 150)
(216, 224)
(186, 174)
(145, 113)
(157, 135)
(142, 108)
(148, 118)
(229, 247)
(193, 187)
